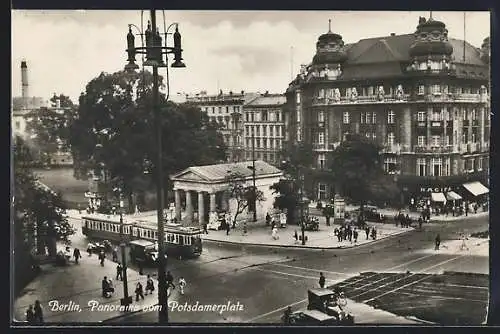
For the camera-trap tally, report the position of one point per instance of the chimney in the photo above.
(24, 81)
(393, 34)
(242, 92)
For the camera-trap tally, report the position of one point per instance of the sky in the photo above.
(228, 50)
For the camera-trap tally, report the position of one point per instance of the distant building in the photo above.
(423, 97)
(264, 123)
(226, 109)
(27, 108)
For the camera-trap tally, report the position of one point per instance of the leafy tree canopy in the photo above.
(115, 130)
(244, 195)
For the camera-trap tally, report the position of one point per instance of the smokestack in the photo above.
(24, 81)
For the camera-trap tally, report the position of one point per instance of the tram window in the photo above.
(100, 226)
(138, 232)
(149, 234)
(176, 238)
(181, 240)
(193, 240)
(155, 235)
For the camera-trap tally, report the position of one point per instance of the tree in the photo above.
(115, 126)
(243, 194)
(37, 210)
(357, 169)
(297, 159)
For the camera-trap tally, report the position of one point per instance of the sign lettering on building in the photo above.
(435, 189)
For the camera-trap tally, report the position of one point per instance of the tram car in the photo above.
(180, 241)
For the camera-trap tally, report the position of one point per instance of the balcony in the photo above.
(465, 122)
(435, 149)
(392, 148)
(421, 124)
(475, 122)
(437, 124)
(468, 98)
(320, 147)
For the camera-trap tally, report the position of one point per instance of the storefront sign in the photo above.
(435, 189)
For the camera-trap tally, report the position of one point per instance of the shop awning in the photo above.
(453, 196)
(438, 197)
(476, 188)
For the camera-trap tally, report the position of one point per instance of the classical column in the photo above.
(212, 203)
(225, 201)
(178, 204)
(189, 207)
(201, 208)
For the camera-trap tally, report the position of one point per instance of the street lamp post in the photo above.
(301, 202)
(154, 51)
(254, 193)
(126, 300)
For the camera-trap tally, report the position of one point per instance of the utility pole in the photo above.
(162, 290)
(253, 178)
(302, 222)
(127, 300)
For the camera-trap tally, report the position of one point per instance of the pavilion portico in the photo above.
(205, 189)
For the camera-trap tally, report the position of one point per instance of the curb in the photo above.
(124, 315)
(302, 247)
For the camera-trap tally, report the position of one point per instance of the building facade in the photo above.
(423, 97)
(264, 125)
(226, 110)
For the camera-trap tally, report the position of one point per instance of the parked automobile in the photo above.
(311, 224)
(331, 303)
(144, 251)
(311, 317)
(370, 213)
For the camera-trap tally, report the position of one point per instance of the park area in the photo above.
(63, 180)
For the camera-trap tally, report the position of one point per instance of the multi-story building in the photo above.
(423, 97)
(264, 124)
(226, 109)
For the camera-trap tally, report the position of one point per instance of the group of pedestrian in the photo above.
(403, 220)
(34, 314)
(346, 233)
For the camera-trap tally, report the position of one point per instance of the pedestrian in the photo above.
(437, 242)
(286, 315)
(115, 254)
(170, 282)
(268, 219)
(89, 249)
(182, 284)
(205, 228)
(420, 221)
(140, 264)
(373, 233)
(466, 209)
(355, 235)
(274, 234)
(119, 272)
(105, 287)
(76, 254)
(408, 221)
(322, 280)
(38, 312)
(102, 256)
(367, 231)
(139, 292)
(296, 236)
(30, 315)
(475, 207)
(150, 286)
(228, 228)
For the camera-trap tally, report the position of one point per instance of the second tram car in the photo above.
(184, 241)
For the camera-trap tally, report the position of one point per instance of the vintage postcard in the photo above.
(279, 168)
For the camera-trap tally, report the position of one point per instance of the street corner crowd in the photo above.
(34, 313)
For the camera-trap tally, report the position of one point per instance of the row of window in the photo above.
(139, 232)
(273, 143)
(227, 109)
(263, 116)
(272, 130)
(437, 114)
(269, 157)
(435, 89)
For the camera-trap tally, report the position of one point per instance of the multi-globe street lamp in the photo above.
(154, 51)
(126, 300)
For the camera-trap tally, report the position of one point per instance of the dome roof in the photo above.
(329, 57)
(329, 49)
(431, 39)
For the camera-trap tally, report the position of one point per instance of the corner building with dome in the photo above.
(423, 97)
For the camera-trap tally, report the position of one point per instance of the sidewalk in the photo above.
(75, 287)
(322, 239)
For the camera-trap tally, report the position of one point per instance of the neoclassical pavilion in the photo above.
(198, 186)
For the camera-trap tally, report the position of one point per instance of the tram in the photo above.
(183, 241)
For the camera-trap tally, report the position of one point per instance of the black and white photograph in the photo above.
(264, 168)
